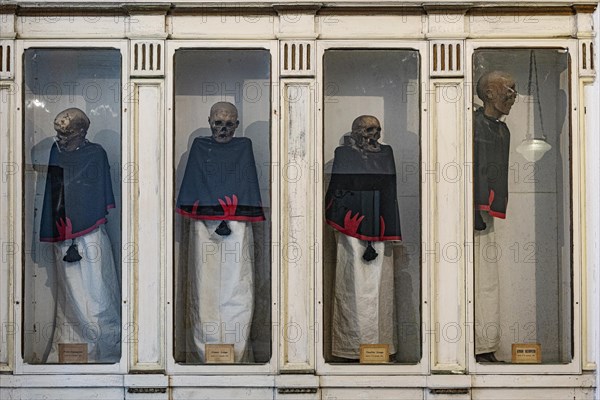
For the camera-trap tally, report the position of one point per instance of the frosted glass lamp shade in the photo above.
(533, 149)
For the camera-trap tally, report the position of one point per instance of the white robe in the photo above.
(88, 299)
(487, 286)
(363, 303)
(221, 289)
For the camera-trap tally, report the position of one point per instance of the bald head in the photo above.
(497, 90)
(223, 106)
(364, 121)
(223, 120)
(71, 126)
(71, 119)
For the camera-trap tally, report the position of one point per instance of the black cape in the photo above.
(78, 193)
(490, 153)
(361, 199)
(220, 182)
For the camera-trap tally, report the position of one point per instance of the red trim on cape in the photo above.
(361, 237)
(75, 235)
(491, 196)
(497, 214)
(219, 217)
(488, 207)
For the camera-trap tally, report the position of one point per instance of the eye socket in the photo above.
(373, 129)
(511, 90)
(220, 123)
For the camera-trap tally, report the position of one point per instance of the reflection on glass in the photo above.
(72, 277)
(371, 269)
(222, 106)
(523, 295)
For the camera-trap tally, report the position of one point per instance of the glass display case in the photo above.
(372, 230)
(332, 200)
(72, 206)
(523, 253)
(222, 248)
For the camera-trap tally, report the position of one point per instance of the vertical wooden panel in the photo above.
(6, 328)
(297, 330)
(148, 230)
(589, 212)
(446, 175)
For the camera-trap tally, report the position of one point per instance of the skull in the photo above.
(223, 121)
(71, 126)
(366, 132)
(498, 91)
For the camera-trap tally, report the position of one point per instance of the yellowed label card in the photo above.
(219, 353)
(374, 353)
(526, 353)
(72, 353)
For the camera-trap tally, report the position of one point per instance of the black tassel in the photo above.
(479, 224)
(370, 253)
(72, 253)
(223, 229)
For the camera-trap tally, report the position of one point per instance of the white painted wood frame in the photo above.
(324, 368)
(446, 136)
(277, 330)
(17, 212)
(9, 172)
(298, 246)
(577, 185)
(148, 261)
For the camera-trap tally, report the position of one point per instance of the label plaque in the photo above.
(526, 353)
(72, 353)
(219, 353)
(374, 353)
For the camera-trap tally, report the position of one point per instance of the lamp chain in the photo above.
(533, 69)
